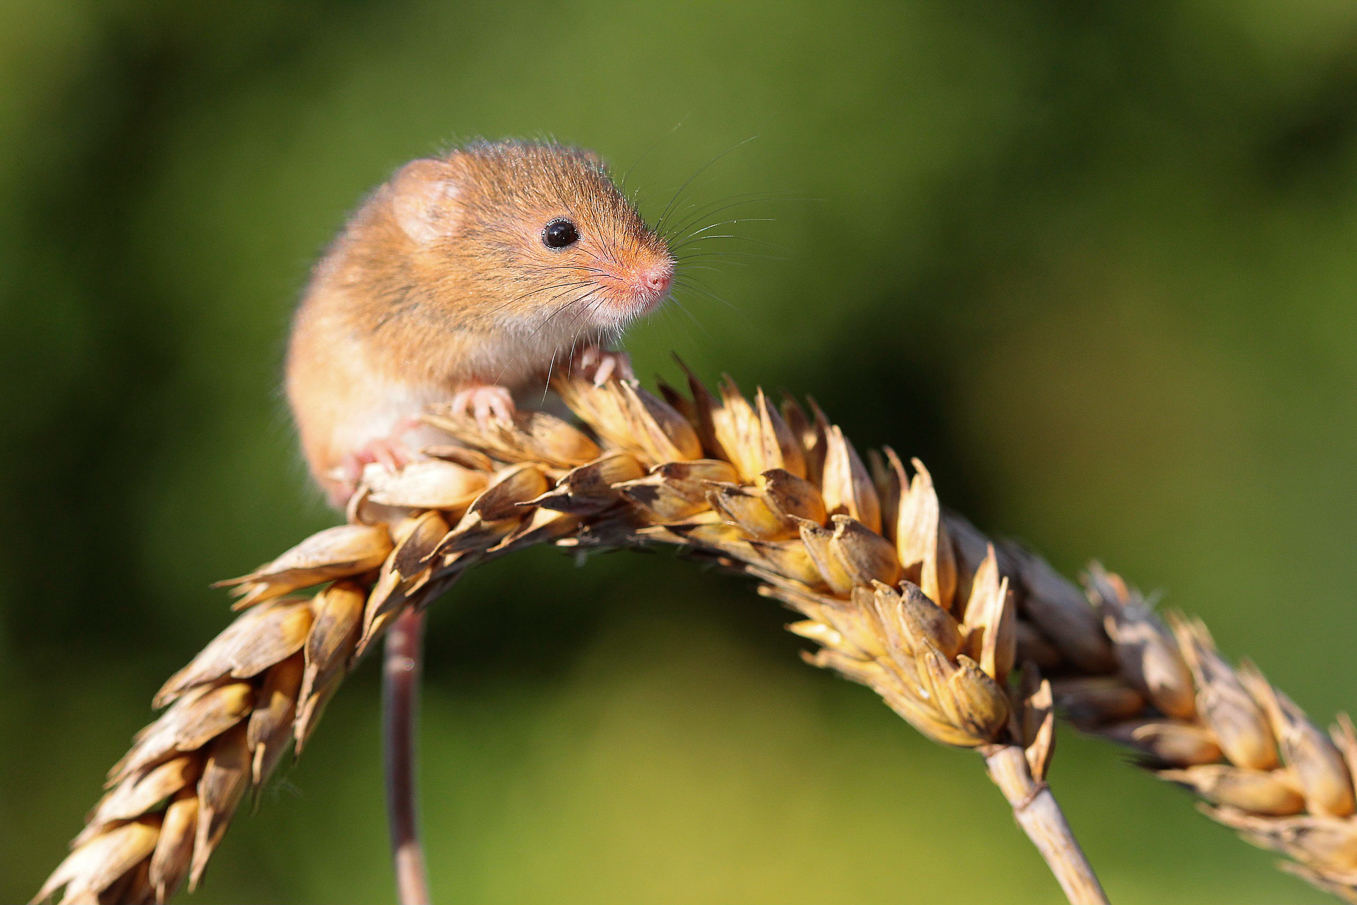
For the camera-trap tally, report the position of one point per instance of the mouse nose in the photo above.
(658, 279)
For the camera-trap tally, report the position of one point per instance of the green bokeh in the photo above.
(1095, 263)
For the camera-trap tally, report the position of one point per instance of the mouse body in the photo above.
(466, 277)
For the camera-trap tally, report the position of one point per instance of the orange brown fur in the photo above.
(442, 281)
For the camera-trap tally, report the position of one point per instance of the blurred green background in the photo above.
(1094, 262)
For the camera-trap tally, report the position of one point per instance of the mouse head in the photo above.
(528, 230)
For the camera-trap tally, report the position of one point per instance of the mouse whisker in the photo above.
(531, 293)
(659, 141)
(659, 226)
(700, 287)
(698, 213)
(687, 208)
(588, 310)
(700, 225)
(527, 295)
(689, 314)
(708, 294)
(694, 233)
(546, 387)
(719, 206)
(697, 285)
(566, 285)
(607, 251)
(562, 309)
(735, 238)
(587, 307)
(697, 243)
(555, 314)
(733, 254)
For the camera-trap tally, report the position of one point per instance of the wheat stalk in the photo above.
(952, 631)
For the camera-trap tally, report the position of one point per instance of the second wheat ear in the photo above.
(977, 645)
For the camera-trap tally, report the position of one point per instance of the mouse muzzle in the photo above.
(637, 289)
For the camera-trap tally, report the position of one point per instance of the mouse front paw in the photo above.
(484, 403)
(599, 365)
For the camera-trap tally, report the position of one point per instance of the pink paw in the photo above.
(484, 403)
(389, 452)
(600, 364)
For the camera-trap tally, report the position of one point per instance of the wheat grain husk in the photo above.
(975, 644)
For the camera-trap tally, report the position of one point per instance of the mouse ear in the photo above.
(423, 193)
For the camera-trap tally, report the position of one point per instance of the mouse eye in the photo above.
(559, 233)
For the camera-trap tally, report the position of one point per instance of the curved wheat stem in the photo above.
(974, 644)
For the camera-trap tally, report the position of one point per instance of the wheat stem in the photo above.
(400, 721)
(1035, 809)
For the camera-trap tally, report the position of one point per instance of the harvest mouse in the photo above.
(465, 277)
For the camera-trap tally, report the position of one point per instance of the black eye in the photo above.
(560, 233)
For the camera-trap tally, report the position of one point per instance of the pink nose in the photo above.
(657, 279)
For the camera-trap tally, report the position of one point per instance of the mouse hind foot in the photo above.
(392, 452)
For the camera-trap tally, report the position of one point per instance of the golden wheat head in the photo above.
(976, 645)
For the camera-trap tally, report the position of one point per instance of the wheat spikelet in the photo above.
(952, 631)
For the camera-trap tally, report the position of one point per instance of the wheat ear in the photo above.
(952, 631)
